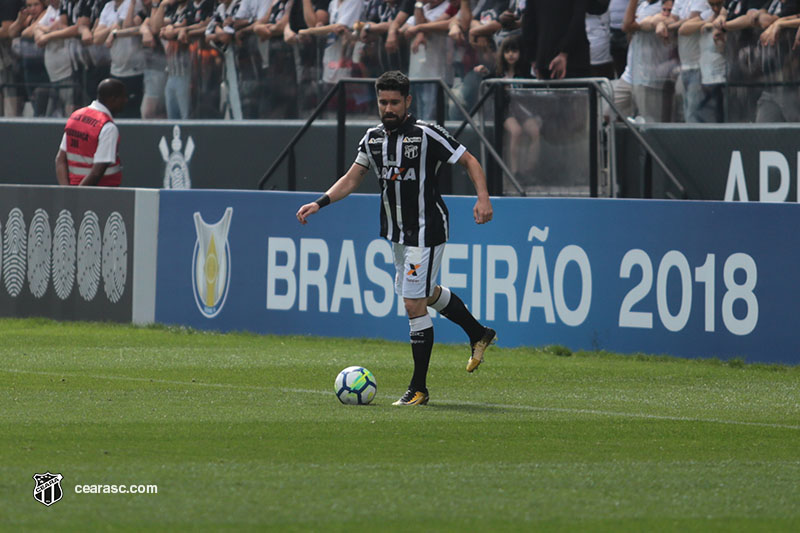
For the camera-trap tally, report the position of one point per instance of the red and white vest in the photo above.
(83, 132)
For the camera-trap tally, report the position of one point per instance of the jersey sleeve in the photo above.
(107, 144)
(108, 16)
(245, 10)
(350, 13)
(362, 157)
(493, 11)
(443, 145)
(407, 7)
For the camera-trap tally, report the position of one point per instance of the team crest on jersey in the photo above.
(211, 264)
(411, 151)
(48, 488)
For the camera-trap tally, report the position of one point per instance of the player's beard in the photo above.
(391, 121)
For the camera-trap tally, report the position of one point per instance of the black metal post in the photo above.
(484, 141)
(292, 183)
(474, 109)
(445, 171)
(341, 118)
(297, 136)
(441, 112)
(594, 144)
(495, 178)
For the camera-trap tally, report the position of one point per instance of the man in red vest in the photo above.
(88, 154)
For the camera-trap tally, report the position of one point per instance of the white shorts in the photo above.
(416, 269)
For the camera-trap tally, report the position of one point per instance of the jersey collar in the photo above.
(407, 124)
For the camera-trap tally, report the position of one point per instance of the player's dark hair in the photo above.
(394, 80)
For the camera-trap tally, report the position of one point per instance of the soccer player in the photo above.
(407, 155)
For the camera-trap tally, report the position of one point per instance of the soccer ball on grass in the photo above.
(355, 385)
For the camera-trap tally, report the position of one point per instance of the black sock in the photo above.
(456, 311)
(421, 348)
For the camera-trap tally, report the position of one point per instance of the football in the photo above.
(355, 385)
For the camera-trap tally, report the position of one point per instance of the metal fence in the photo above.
(272, 79)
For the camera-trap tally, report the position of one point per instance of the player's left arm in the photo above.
(483, 207)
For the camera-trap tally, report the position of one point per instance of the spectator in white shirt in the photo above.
(119, 28)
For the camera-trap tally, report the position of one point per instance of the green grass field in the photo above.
(243, 432)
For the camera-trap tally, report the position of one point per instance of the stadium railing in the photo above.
(598, 95)
(600, 143)
(340, 90)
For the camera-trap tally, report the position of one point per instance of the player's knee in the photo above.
(416, 306)
(437, 290)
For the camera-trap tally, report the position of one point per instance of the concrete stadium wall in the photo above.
(713, 162)
(731, 162)
(200, 154)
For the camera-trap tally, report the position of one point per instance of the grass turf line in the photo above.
(238, 432)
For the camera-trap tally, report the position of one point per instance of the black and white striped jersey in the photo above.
(407, 162)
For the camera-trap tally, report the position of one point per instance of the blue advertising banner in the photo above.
(692, 279)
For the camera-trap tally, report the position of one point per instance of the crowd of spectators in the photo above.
(710, 60)
(671, 60)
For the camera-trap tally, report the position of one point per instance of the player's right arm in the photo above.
(482, 212)
(343, 187)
